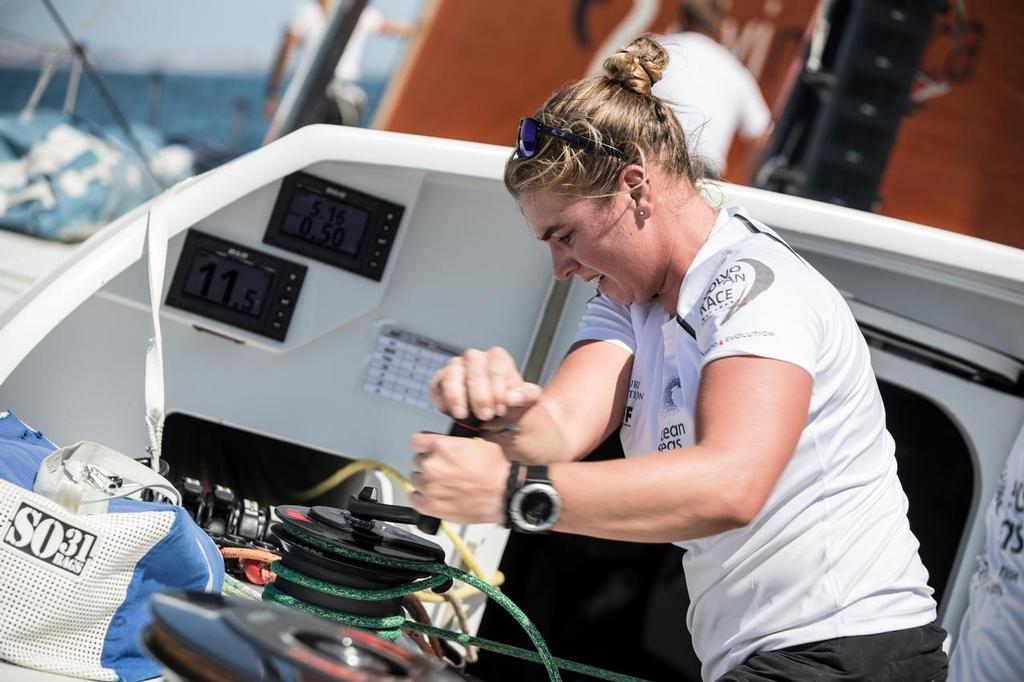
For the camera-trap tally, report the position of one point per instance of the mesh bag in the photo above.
(74, 587)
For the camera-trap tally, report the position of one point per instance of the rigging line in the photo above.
(55, 55)
(76, 48)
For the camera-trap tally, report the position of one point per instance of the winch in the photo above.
(336, 559)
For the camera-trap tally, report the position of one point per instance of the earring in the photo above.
(642, 213)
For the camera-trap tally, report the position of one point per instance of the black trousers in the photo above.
(913, 655)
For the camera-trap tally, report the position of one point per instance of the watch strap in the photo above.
(537, 473)
(511, 485)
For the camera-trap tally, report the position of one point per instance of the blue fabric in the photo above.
(20, 136)
(22, 449)
(185, 558)
(86, 191)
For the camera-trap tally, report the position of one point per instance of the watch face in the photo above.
(535, 507)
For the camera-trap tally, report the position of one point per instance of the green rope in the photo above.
(386, 627)
(437, 570)
(336, 590)
(517, 652)
(442, 568)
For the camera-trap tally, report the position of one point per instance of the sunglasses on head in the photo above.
(530, 128)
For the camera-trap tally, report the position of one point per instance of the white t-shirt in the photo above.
(990, 647)
(831, 553)
(309, 22)
(713, 95)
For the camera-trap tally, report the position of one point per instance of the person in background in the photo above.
(990, 646)
(711, 91)
(345, 101)
(739, 384)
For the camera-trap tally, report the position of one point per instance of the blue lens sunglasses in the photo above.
(530, 128)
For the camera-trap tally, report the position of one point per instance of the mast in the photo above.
(311, 79)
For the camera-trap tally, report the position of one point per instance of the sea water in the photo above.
(223, 111)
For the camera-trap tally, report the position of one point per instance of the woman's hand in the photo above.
(485, 384)
(459, 479)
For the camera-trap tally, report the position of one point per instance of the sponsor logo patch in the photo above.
(672, 399)
(735, 287)
(50, 540)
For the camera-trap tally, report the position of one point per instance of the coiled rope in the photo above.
(390, 627)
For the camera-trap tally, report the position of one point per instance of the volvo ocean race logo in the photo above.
(735, 287)
(49, 540)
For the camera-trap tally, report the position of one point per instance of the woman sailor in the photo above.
(741, 388)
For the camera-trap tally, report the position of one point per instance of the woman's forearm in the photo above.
(661, 497)
(543, 435)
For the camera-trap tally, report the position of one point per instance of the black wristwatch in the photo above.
(534, 505)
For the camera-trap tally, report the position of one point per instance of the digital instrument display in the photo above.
(325, 222)
(228, 282)
(335, 224)
(234, 284)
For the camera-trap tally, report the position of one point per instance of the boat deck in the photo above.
(24, 260)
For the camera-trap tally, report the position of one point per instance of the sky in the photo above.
(174, 35)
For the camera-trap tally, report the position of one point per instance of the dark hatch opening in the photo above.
(256, 467)
(934, 466)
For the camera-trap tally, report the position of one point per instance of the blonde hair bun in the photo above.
(638, 66)
(613, 108)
